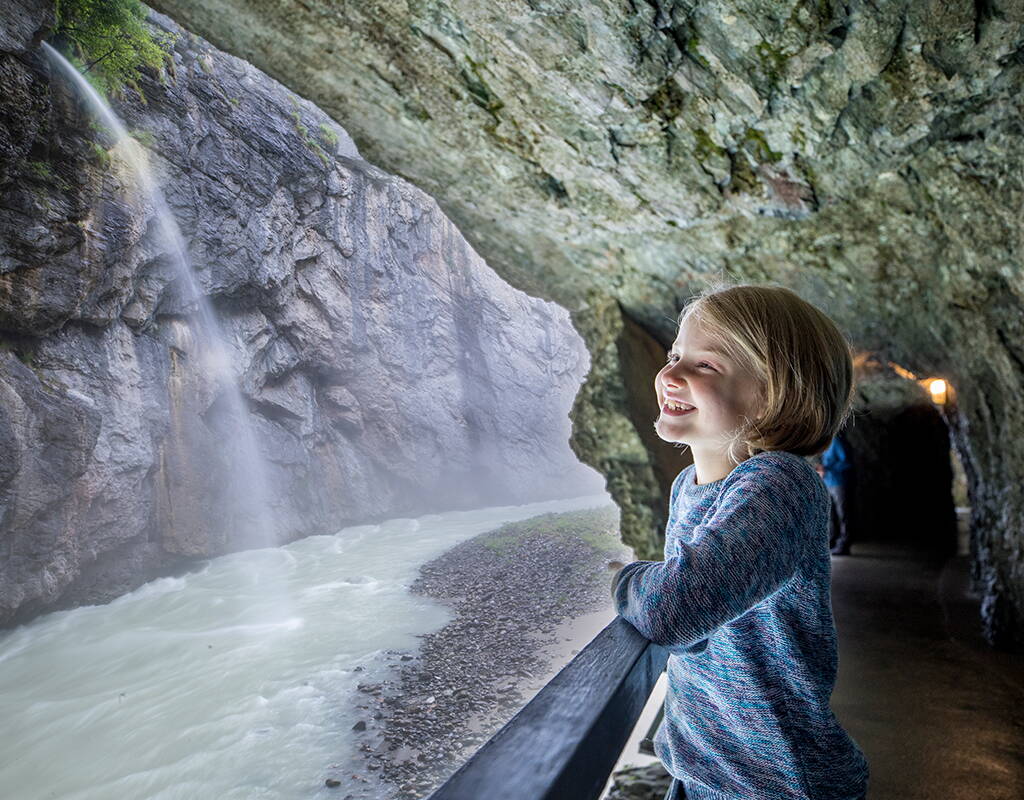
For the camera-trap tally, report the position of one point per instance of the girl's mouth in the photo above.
(673, 413)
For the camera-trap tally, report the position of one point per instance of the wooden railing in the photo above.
(565, 742)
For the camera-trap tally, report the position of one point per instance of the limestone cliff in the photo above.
(388, 370)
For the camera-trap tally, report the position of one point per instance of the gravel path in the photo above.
(514, 592)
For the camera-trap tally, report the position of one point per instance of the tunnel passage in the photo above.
(901, 491)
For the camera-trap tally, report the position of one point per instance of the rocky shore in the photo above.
(527, 597)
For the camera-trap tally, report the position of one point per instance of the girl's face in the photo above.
(699, 373)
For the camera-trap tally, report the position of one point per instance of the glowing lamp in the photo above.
(937, 388)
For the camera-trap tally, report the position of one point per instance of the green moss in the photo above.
(328, 135)
(762, 152)
(418, 111)
(741, 177)
(773, 62)
(110, 41)
(798, 136)
(145, 138)
(101, 154)
(691, 48)
(706, 145)
(42, 197)
(308, 140)
(808, 170)
(601, 542)
(667, 102)
(479, 92)
(138, 90)
(234, 101)
(898, 78)
(41, 169)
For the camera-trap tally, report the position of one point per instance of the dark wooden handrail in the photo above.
(565, 742)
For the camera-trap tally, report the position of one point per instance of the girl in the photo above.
(756, 380)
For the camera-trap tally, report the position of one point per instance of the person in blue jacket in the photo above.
(837, 472)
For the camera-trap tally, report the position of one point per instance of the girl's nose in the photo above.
(671, 378)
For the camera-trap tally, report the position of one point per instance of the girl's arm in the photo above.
(748, 549)
(672, 501)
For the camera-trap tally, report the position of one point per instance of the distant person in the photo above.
(836, 469)
(745, 582)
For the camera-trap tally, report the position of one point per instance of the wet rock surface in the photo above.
(646, 782)
(510, 589)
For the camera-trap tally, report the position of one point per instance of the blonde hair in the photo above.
(801, 361)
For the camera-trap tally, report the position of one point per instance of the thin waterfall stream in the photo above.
(248, 495)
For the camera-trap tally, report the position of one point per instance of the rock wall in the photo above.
(613, 156)
(387, 369)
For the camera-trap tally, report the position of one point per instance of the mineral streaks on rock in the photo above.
(389, 371)
(866, 154)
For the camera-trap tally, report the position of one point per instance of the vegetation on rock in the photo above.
(110, 40)
(597, 527)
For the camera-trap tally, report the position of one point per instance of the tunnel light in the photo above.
(902, 371)
(941, 392)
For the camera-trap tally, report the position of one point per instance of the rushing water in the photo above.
(248, 497)
(206, 686)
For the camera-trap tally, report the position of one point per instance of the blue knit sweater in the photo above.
(742, 603)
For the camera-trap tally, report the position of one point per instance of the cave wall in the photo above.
(612, 155)
(387, 369)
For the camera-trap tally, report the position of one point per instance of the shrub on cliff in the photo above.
(110, 40)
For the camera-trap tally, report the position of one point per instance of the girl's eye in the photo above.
(704, 364)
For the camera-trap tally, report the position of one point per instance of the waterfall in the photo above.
(252, 525)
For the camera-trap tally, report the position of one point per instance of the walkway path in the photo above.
(938, 713)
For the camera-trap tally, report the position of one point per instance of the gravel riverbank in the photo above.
(518, 593)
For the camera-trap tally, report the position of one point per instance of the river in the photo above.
(236, 681)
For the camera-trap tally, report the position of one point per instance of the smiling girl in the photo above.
(756, 380)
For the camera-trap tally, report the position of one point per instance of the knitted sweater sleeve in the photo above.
(673, 494)
(748, 548)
